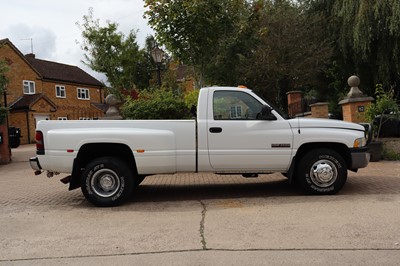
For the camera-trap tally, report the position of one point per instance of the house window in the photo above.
(236, 112)
(29, 87)
(62, 118)
(234, 105)
(83, 94)
(60, 91)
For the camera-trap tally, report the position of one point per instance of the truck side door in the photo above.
(239, 141)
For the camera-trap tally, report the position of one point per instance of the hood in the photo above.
(323, 123)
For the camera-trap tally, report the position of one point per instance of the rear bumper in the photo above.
(359, 158)
(35, 165)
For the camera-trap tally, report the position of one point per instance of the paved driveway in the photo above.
(200, 220)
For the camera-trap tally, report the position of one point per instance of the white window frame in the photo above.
(62, 118)
(236, 112)
(29, 85)
(83, 94)
(60, 91)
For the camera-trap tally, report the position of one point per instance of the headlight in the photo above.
(360, 142)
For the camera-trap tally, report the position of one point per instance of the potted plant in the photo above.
(379, 112)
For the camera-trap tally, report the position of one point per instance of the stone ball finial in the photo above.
(112, 112)
(354, 92)
(353, 81)
(112, 100)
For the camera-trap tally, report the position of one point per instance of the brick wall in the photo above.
(355, 111)
(294, 103)
(5, 153)
(70, 107)
(17, 73)
(319, 110)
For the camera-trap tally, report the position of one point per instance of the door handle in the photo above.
(215, 130)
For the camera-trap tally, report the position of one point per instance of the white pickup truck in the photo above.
(235, 132)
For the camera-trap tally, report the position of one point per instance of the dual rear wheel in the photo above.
(107, 181)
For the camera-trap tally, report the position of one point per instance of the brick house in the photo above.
(44, 90)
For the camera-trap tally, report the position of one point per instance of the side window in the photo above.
(235, 105)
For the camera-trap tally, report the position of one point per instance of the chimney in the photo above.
(31, 55)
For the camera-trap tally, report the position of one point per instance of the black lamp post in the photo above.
(158, 56)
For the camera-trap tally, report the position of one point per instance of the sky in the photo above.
(51, 24)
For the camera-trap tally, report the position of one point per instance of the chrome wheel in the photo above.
(323, 173)
(105, 183)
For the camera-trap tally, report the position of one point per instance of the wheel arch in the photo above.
(340, 148)
(91, 151)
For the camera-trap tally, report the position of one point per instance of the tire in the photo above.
(107, 181)
(322, 172)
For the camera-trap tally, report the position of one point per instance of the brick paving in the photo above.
(20, 187)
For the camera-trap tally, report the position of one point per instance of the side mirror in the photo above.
(266, 113)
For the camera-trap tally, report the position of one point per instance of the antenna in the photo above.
(31, 39)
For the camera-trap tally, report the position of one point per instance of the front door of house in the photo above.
(40, 117)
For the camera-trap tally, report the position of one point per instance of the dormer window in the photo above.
(29, 87)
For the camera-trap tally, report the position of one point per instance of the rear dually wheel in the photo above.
(107, 181)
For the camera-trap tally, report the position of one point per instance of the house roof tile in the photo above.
(62, 72)
(26, 101)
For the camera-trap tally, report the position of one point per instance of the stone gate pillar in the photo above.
(355, 104)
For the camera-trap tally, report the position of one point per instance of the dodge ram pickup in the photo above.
(234, 132)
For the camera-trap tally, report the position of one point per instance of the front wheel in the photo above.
(322, 172)
(107, 181)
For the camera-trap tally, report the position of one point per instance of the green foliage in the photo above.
(366, 35)
(206, 34)
(390, 155)
(156, 104)
(291, 53)
(191, 98)
(114, 54)
(385, 107)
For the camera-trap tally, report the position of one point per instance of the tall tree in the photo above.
(368, 38)
(201, 33)
(292, 51)
(119, 57)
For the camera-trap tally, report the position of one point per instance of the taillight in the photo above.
(39, 143)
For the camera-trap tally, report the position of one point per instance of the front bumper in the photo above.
(35, 165)
(359, 158)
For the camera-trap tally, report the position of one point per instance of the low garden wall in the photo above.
(391, 148)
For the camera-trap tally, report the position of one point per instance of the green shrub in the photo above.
(385, 107)
(191, 98)
(156, 104)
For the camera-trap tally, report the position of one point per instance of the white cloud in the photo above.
(52, 25)
(27, 38)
